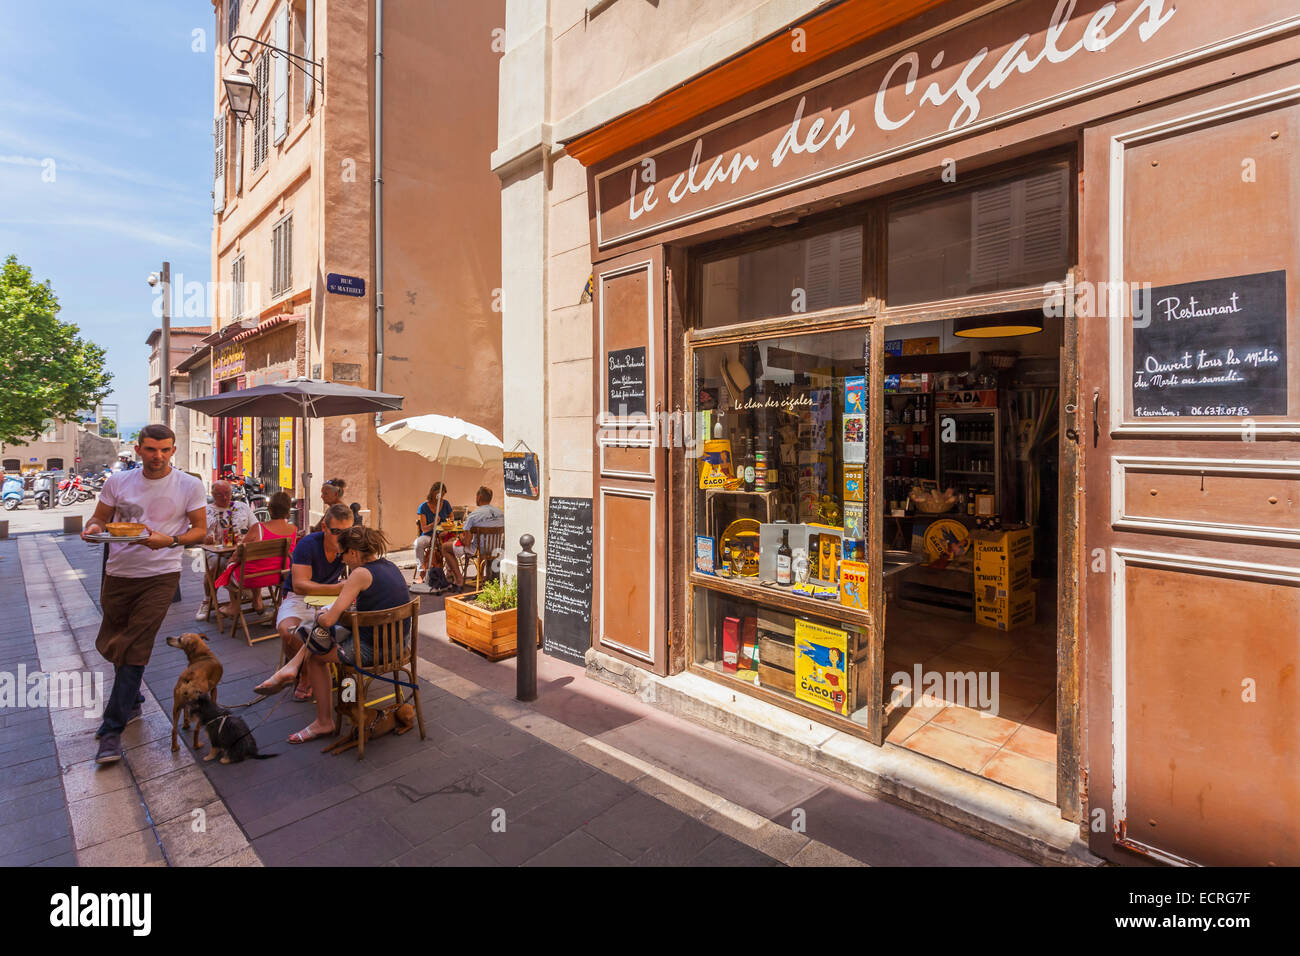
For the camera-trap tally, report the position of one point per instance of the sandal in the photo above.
(269, 687)
(302, 696)
(306, 734)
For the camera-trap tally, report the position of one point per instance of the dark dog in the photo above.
(228, 736)
(201, 677)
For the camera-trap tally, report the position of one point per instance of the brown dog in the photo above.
(201, 677)
(379, 721)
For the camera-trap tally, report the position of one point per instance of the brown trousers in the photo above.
(134, 609)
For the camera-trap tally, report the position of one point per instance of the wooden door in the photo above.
(1190, 562)
(629, 611)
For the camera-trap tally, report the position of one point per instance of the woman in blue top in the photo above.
(376, 584)
(427, 528)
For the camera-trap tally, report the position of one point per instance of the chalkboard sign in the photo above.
(626, 382)
(520, 473)
(1211, 349)
(566, 622)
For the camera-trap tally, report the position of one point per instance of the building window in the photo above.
(237, 288)
(821, 270)
(232, 19)
(282, 256)
(261, 119)
(1003, 235)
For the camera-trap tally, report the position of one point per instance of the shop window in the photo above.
(992, 237)
(821, 271)
(780, 483)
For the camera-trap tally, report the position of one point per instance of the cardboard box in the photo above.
(825, 557)
(1010, 546)
(1008, 615)
(1002, 582)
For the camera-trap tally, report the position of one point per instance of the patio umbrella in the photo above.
(295, 398)
(440, 438)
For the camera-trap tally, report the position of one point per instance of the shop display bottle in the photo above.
(784, 558)
(749, 464)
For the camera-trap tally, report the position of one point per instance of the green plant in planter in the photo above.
(498, 595)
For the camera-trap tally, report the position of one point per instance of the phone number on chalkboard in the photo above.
(1162, 412)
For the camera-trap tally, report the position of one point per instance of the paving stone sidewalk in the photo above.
(586, 775)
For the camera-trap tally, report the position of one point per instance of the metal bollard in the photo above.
(526, 623)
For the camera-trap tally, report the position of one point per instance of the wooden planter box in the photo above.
(491, 633)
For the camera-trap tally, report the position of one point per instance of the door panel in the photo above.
(629, 467)
(1189, 564)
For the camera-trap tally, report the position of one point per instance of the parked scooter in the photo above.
(71, 489)
(43, 491)
(12, 492)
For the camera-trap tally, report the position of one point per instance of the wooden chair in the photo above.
(247, 553)
(390, 658)
(486, 542)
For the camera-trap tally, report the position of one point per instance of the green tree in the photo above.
(47, 371)
(108, 428)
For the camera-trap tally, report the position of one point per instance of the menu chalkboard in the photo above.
(1215, 348)
(566, 623)
(627, 382)
(520, 469)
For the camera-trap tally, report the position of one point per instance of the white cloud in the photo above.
(113, 226)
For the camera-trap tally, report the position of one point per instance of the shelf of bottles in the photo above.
(968, 455)
(908, 444)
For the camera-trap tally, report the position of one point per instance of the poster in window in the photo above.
(855, 439)
(821, 672)
(286, 453)
(246, 446)
(1214, 348)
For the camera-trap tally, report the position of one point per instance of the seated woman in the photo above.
(331, 493)
(376, 584)
(426, 524)
(264, 572)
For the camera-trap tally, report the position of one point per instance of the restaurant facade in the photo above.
(934, 384)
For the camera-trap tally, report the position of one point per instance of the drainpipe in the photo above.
(379, 201)
(379, 222)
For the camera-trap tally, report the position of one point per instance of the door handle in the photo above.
(1096, 423)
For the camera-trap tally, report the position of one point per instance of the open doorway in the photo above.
(970, 423)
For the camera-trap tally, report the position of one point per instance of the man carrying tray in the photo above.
(142, 574)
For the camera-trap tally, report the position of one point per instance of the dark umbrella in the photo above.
(295, 398)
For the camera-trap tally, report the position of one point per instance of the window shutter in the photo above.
(288, 254)
(239, 158)
(992, 253)
(833, 269)
(232, 24)
(280, 119)
(261, 75)
(219, 157)
(309, 51)
(1046, 242)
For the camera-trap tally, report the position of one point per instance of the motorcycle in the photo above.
(43, 491)
(71, 489)
(12, 492)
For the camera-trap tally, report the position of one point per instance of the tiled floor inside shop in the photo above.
(1017, 747)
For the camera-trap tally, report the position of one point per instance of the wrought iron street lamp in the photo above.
(242, 93)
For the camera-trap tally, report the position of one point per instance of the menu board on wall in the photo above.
(566, 620)
(627, 382)
(1214, 348)
(520, 469)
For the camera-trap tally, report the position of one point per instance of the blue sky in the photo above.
(117, 96)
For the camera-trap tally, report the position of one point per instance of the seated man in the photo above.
(224, 514)
(316, 568)
(486, 515)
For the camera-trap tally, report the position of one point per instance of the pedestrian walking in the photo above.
(140, 578)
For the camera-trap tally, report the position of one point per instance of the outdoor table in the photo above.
(212, 571)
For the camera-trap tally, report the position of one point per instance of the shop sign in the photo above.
(626, 381)
(228, 361)
(1019, 59)
(521, 473)
(1211, 349)
(820, 665)
(286, 453)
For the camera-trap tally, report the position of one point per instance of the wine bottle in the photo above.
(783, 559)
(749, 464)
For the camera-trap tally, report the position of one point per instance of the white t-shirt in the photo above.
(162, 504)
(237, 516)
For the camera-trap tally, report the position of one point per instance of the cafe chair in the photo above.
(246, 554)
(487, 542)
(391, 659)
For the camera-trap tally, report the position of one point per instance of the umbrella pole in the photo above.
(305, 517)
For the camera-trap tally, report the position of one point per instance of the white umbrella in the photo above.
(440, 438)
